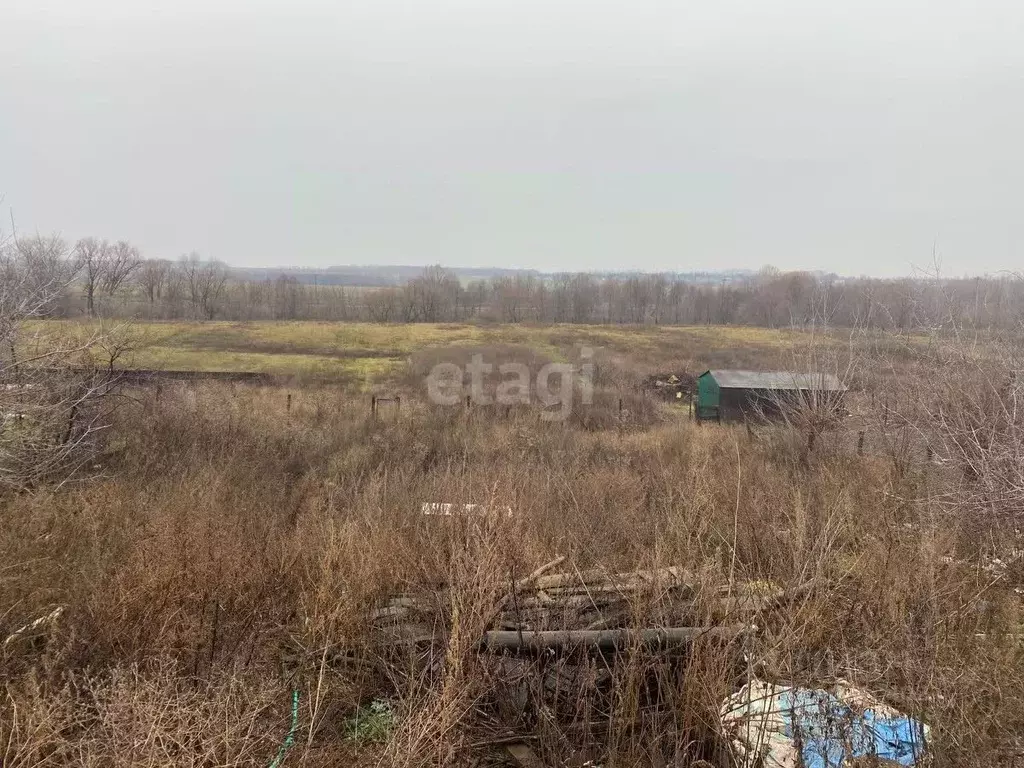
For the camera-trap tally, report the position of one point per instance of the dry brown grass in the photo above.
(235, 550)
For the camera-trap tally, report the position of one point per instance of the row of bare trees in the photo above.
(769, 299)
(94, 268)
(191, 287)
(103, 278)
(112, 279)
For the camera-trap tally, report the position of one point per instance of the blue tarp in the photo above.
(829, 732)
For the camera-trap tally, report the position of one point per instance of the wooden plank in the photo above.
(599, 580)
(559, 600)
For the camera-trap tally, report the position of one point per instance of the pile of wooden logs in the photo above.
(594, 609)
(555, 632)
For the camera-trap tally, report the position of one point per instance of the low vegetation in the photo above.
(207, 595)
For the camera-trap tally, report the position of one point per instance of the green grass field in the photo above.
(368, 353)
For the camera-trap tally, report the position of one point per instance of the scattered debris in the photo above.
(592, 609)
(776, 726)
(445, 509)
(670, 386)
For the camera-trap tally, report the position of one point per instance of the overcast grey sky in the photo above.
(846, 135)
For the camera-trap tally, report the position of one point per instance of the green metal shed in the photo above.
(725, 394)
(708, 397)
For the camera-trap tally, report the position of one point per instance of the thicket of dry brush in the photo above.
(232, 551)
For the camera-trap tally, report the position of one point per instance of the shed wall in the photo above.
(746, 404)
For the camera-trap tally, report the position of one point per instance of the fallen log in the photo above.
(605, 639)
(632, 579)
(538, 573)
(390, 612)
(558, 580)
(558, 600)
(566, 617)
(406, 634)
(613, 588)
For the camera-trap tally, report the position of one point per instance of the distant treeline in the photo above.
(393, 276)
(113, 279)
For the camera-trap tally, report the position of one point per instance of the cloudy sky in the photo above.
(846, 135)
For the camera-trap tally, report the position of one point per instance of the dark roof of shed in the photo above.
(776, 380)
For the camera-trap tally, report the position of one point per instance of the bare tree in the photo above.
(585, 296)
(46, 268)
(255, 298)
(104, 267)
(205, 281)
(152, 277)
(91, 254)
(515, 296)
(175, 291)
(123, 259)
(287, 297)
(433, 296)
(972, 417)
(382, 305)
(54, 402)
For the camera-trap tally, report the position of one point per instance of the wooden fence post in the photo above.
(289, 406)
(860, 443)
